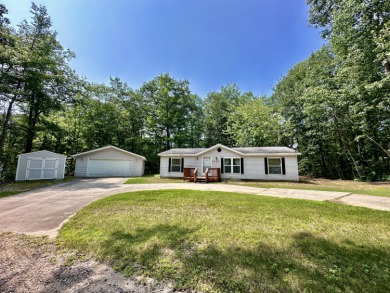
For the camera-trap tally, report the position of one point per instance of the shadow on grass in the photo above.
(309, 263)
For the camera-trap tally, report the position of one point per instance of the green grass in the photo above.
(152, 179)
(227, 242)
(8, 193)
(11, 188)
(368, 188)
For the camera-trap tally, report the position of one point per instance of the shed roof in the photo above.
(42, 152)
(107, 148)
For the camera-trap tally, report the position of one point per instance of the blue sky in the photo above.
(208, 42)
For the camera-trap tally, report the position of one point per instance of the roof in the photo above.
(106, 148)
(40, 152)
(241, 151)
(266, 150)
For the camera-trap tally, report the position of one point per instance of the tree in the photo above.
(358, 32)
(254, 123)
(47, 79)
(167, 102)
(218, 108)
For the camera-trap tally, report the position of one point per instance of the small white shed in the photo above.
(40, 165)
(109, 161)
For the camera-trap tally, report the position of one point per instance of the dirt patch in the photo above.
(33, 264)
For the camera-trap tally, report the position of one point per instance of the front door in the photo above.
(206, 164)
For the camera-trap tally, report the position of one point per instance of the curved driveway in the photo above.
(43, 211)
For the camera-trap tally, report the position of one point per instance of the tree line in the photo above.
(335, 105)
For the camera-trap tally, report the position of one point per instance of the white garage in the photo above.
(109, 161)
(40, 165)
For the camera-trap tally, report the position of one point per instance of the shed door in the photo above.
(109, 168)
(41, 168)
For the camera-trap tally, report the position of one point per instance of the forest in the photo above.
(334, 107)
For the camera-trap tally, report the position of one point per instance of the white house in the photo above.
(40, 165)
(254, 163)
(109, 161)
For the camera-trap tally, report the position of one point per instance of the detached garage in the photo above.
(109, 161)
(40, 165)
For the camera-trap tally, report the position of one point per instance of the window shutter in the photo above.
(283, 167)
(266, 165)
(169, 165)
(242, 165)
(221, 165)
(182, 164)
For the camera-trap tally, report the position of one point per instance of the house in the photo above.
(109, 161)
(40, 165)
(251, 163)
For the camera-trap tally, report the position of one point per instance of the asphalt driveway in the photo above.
(43, 211)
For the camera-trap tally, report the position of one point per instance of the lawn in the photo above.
(152, 179)
(369, 188)
(11, 188)
(227, 242)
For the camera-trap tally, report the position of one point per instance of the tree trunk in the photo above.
(5, 126)
(32, 120)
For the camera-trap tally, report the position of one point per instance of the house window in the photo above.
(274, 166)
(206, 163)
(232, 165)
(176, 165)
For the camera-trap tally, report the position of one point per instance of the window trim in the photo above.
(280, 165)
(180, 168)
(231, 165)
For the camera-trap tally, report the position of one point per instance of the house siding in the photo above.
(137, 164)
(254, 168)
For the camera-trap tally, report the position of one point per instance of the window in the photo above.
(176, 165)
(206, 163)
(232, 165)
(274, 166)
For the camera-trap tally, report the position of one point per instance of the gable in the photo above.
(42, 153)
(110, 153)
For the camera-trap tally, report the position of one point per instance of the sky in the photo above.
(211, 43)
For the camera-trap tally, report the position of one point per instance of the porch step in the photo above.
(200, 179)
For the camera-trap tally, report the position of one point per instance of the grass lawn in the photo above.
(227, 242)
(369, 188)
(152, 178)
(11, 188)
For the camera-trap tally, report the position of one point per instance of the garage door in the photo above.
(41, 168)
(109, 168)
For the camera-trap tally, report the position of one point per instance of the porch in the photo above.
(211, 175)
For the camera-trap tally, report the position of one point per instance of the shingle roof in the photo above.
(184, 151)
(244, 150)
(106, 148)
(267, 150)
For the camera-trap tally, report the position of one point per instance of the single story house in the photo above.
(109, 161)
(40, 165)
(252, 163)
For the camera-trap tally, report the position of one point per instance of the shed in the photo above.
(40, 165)
(109, 161)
